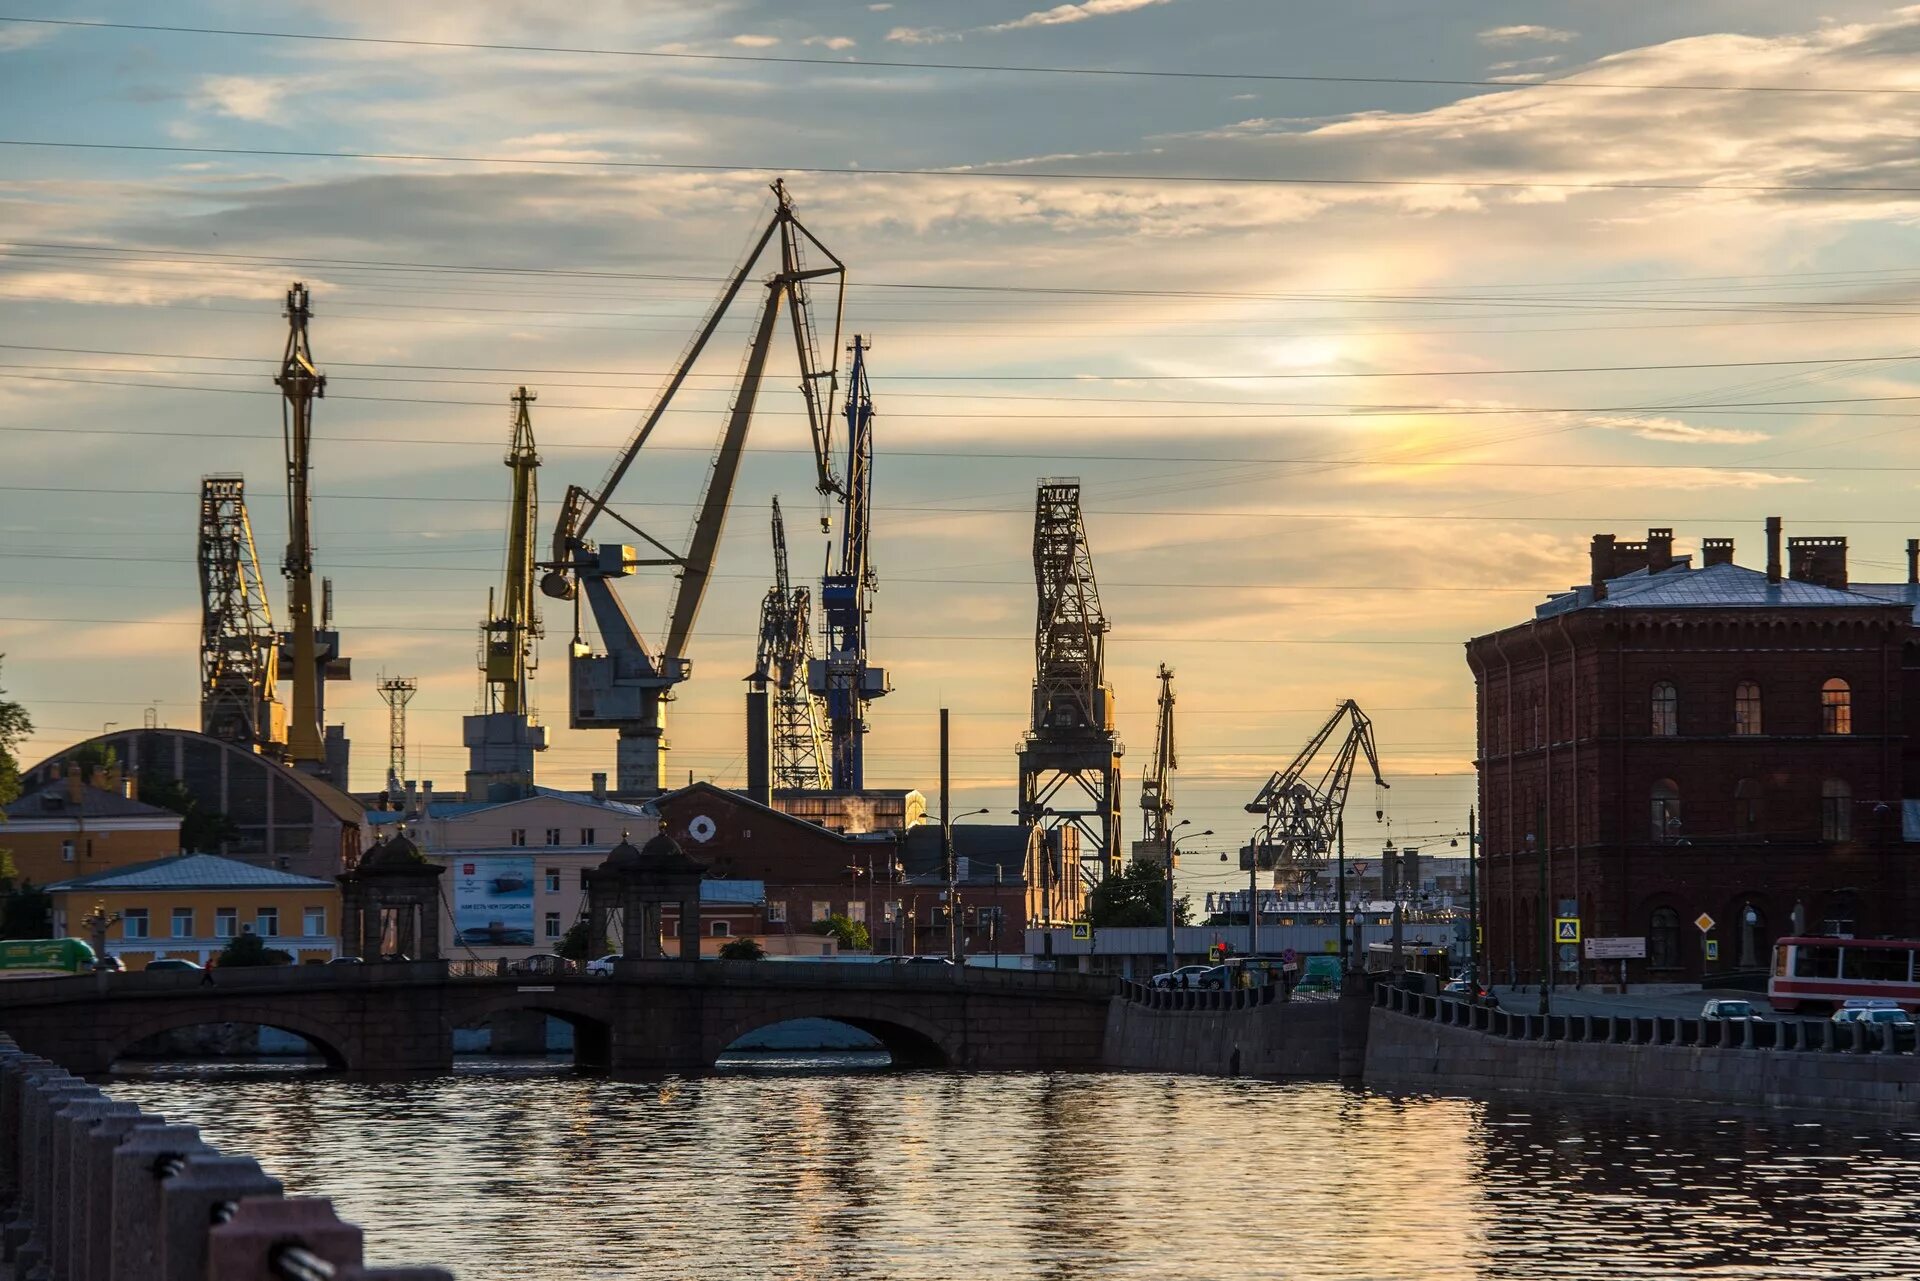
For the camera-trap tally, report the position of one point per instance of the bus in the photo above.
(43, 958)
(1821, 973)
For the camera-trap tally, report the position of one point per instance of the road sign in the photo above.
(1081, 930)
(1704, 921)
(1713, 949)
(1566, 929)
(1289, 956)
(1569, 958)
(1616, 949)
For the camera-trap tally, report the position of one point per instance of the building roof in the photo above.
(980, 847)
(191, 872)
(1893, 594)
(741, 798)
(455, 808)
(722, 890)
(53, 801)
(1725, 586)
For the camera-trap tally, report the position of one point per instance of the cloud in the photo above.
(1673, 431)
(1526, 34)
(20, 37)
(757, 42)
(1058, 16)
(830, 42)
(254, 98)
(879, 8)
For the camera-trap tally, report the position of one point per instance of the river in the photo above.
(526, 1172)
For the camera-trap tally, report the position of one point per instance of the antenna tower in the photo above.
(398, 691)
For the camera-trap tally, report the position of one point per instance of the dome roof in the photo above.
(398, 853)
(660, 856)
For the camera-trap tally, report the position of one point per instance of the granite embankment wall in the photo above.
(1238, 1033)
(1419, 1046)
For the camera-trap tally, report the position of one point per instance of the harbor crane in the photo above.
(1303, 818)
(1156, 780)
(627, 687)
(844, 678)
(238, 668)
(786, 647)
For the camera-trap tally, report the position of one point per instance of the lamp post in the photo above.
(956, 948)
(1172, 958)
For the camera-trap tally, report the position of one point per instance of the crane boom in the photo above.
(1156, 781)
(799, 740)
(1302, 816)
(626, 687)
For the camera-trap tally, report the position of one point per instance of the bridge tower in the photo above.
(1070, 758)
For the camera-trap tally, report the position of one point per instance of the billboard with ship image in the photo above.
(493, 901)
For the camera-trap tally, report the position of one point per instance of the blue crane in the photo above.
(844, 678)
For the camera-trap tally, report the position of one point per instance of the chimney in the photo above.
(426, 798)
(130, 785)
(1913, 560)
(1602, 555)
(1818, 560)
(1716, 551)
(74, 794)
(408, 806)
(759, 745)
(1659, 550)
(599, 787)
(1773, 549)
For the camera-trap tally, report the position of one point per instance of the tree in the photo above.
(852, 934)
(93, 758)
(15, 725)
(1135, 896)
(574, 945)
(251, 949)
(201, 830)
(742, 950)
(26, 911)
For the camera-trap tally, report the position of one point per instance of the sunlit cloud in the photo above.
(1526, 34)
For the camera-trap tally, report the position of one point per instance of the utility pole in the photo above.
(946, 847)
(1473, 905)
(1545, 923)
(1340, 889)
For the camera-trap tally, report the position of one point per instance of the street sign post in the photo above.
(1616, 949)
(1082, 930)
(1566, 929)
(1704, 921)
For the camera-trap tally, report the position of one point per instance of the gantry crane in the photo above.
(1156, 779)
(238, 667)
(799, 745)
(1070, 758)
(310, 648)
(626, 688)
(502, 738)
(1303, 818)
(843, 677)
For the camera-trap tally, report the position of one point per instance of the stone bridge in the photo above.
(649, 1016)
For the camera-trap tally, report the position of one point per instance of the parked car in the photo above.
(1317, 983)
(110, 963)
(1454, 987)
(1730, 1011)
(919, 960)
(346, 960)
(540, 963)
(1185, 976)
(1901, 1023)
(173, 963)
(604, 966)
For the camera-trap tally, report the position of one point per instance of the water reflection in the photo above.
(528, 1171)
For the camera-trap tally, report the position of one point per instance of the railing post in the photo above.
(140, 1166)
(269, 1236)
(204, 1193)
(54, 1089)
(68, 1225)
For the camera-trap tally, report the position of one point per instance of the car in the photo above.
(1185, 976)
(345, 960)
(110, 963)
(604, 966)
(1897, 1020)
(1316, 983)
(173, 963)
(1722, 1010)
(920, 960)
(540, 963)
(1454, 987)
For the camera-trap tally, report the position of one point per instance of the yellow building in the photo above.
(193, 905)
(69, 829)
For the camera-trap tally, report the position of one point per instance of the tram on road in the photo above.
(43, 958)
(1822, 973)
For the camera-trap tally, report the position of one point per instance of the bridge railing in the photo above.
(1786, 1035)
(1196, 999)
(91, 1187)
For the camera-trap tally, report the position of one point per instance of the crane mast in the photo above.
(502, 738)
(799, 746)
(238, 666)
(1156, 780)
(1303, 817)
(626, 688)
(844, 678)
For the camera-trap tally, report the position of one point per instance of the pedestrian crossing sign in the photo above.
(1082, 930)
(1566, 929)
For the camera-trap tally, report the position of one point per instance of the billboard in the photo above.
(493, 901)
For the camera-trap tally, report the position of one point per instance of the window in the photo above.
(553, 836)
(518, 836)
(1749, 809)
(1874, 964)
(776, 912)
(857, 911)
(133, 923)
(586, 836)
(553, 925)
(1746, 708)
(1663, 939)
(995, 917)
(313, 922)
(1666, 710)
(1816, 962)
(1836, 707)
(1836, 811)
(66, 851)
(821, 910)
(266, 922)
(226, 922)
(720, 929)
(1664, 809)
(183, 922)
(553, 880)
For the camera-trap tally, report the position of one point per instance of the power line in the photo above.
(1255, 180)
(859, 64)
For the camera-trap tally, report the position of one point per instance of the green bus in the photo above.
(43, 958)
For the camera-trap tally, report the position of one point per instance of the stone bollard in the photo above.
(140, 1165)
(92, 1237)
(48, 1091)
(268, 1236)
(71, 1195)
(204, 1193)
(14, 1082)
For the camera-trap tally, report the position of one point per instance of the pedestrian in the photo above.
(206, 976)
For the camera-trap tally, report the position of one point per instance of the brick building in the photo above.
(1671, 742)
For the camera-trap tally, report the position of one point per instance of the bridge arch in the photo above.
(340, 1049)
(585, 1012)
(911, 1040)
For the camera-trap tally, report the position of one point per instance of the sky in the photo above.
(1327, 430)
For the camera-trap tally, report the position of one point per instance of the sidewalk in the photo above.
(1567, 1000)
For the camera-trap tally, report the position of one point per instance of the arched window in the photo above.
(1665, 810)
(1746, 708)
(720, 929)
(1666, 710)
(1836, 707)
(1836, 811)
(1749, 807)
(1663, 939)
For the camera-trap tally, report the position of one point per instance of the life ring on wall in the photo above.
(702, 828)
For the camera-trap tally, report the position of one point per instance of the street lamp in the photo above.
(956, 949)
(1173, 854)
